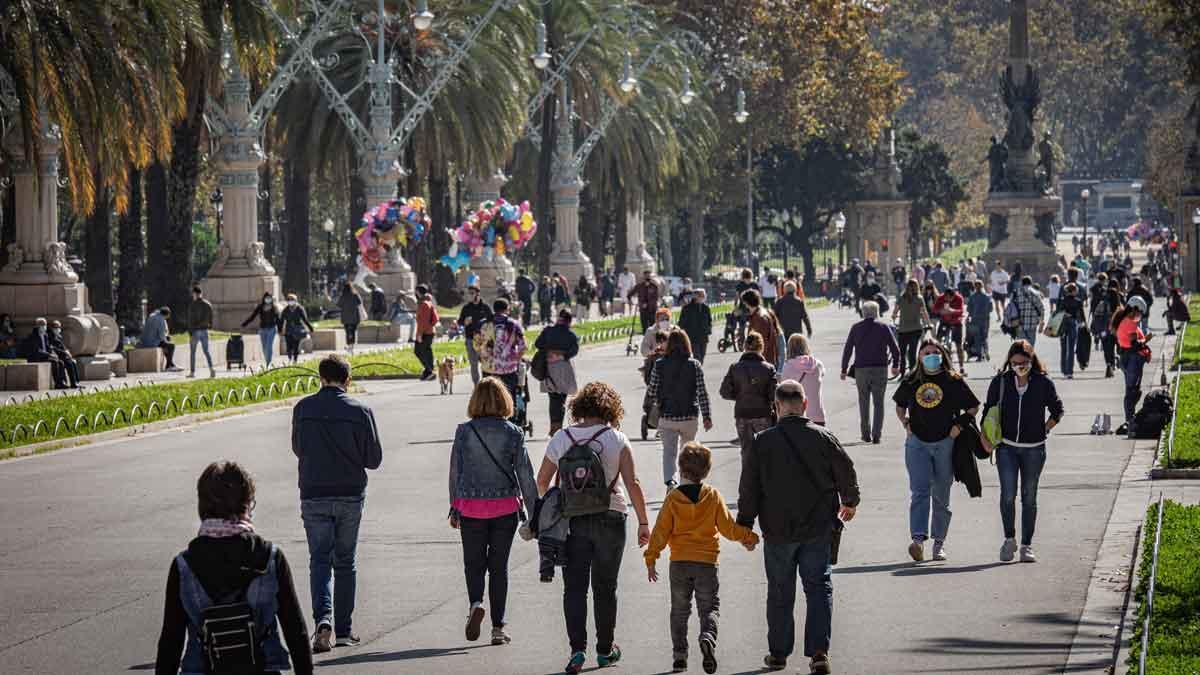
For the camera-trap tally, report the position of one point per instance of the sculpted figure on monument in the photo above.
(997, 229)
(1045, 229)
(997, 159)
(1046, 163)
(1022, 102)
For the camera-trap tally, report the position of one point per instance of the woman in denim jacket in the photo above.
(490, 475)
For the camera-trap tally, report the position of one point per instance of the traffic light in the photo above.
(884, 244)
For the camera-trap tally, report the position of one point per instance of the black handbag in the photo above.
(539, 366)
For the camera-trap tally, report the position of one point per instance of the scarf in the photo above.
(219, 528)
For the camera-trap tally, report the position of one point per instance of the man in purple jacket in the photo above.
(871, 342)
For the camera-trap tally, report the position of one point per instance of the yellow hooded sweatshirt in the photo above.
(690, 528)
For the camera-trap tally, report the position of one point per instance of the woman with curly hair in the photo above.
(596, 541)
(930, 402)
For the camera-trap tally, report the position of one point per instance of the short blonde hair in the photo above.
(490, 399)
(754, 342)
(797, 345)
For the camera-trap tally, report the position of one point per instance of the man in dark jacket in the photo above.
(200, 320)
(379, 304)
(59, 346)
(750, 383)
(646, 293)
(791, 312)
(474, 313)
(793, 480)
(38, 349)
(336, 440)
(696, 320)
(525, 290)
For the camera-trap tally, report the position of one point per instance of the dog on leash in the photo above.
(445, 373)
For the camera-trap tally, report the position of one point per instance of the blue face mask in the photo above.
(931, 361)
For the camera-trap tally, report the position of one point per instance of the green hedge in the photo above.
(1186, 452)
(1187, 350)
(1175, 623)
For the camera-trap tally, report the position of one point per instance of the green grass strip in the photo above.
(1186, 451)
(1187, 350)
(1175, 622)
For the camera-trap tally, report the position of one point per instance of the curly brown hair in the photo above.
(598, 400)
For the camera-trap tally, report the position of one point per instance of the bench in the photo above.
(145, 360)
(27, 377)
(327, 340)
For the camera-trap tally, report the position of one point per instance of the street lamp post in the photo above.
(1087, 254)
(741, 116)
(217, 200)
(328, 226)
(839, 221)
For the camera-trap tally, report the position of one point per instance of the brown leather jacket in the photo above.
(763, 322)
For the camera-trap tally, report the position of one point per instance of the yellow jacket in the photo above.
(690, 528)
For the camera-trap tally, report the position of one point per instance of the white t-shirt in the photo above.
(768, 288)
(1000, 281)
(625, 283)
(608, 444)
(1052, 289)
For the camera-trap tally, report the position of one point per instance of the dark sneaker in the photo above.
(708, 647)
(347, 641)
(575, 665)
(611, 658)
(474, 621)
(820, 664)
(774, 662)
(679, 666)
(499, 636)
(322, 639)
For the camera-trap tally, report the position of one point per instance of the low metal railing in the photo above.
(1150, 592)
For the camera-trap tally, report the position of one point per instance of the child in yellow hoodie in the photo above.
(691, 517)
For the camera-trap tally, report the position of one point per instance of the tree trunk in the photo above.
(132, 283)
(621, 232)
(177, 274)
(358, 205)
(695, 230)
(98, 254)
(665, 255)
(436, 241)
(297, 193)
(156, 232)
(592, 228)
(8, 223)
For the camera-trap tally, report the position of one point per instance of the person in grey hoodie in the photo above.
(156, 334)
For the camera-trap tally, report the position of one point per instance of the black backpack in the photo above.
(1156, 412)
(585, 488)
(229, 637)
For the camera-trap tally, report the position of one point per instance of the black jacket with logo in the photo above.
(750, 384)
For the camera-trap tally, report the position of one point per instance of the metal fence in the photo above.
(1175, 397)
(1150, 592)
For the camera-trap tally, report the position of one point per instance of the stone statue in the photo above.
(55, 257)
(1045, 229)
(997, 229)
(1046, 163)
(16, 258)
(1022, 101)
(997, 159)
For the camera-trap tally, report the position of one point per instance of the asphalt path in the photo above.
(88, 535)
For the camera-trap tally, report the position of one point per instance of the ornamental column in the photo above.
(241, 274)
(491, 268)
(636, 257)
(567, 257)
(381, 173)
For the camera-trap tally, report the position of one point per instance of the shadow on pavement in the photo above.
(404, 655)
(918, 570)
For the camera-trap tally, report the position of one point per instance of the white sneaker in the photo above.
(1008, 550)
(939, 552)
(1027, 555)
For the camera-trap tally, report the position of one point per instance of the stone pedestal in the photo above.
(1022, 212)
(1189, 240)
(871, 223)
(491, 269)
(567, 257)
(636, 257)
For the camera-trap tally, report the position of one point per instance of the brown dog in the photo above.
(445, 374)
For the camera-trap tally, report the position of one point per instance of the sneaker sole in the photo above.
(473, 624)
(322, 642)
(707, 648)
(916, 551)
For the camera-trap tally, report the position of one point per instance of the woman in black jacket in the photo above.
(350, 304)
(1025, 397)
(750, 383)
(295, 326)
(268, 325)
(561, 344)
(1068, 334)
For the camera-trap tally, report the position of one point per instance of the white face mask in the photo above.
(664, 325)
(292, 303)
(267, 302)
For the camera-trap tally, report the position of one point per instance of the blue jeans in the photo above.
(199, 337)
(1132, 365)
(331, 525)
(1067, 339)
(811, 561)
(1027, 463)
(930, 476)
(267, 336)
(1030, 335)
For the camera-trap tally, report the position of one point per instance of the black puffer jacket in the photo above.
(750, 384)
(1023, 417)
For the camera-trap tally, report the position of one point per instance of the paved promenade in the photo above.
(88, 536)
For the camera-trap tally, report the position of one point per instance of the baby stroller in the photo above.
(521, 400)
(846, 300)
(731, 338)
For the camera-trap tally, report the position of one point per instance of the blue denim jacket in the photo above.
(474, 476)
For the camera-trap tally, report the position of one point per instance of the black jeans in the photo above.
(424, 350)
(688, 578)
(558, 409)
(168, 350)
(293, 346)
(1109, 343)
(526, 310)
(486, 545)
(809, 561)
(594, 549)
(351, 332)
(544, 313)
(908, 347)
(1133, 364)
(699, 349)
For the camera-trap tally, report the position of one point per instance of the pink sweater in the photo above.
(809, 372)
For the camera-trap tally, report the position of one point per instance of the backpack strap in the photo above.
(507, 472)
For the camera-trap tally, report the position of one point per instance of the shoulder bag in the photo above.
(835, 537)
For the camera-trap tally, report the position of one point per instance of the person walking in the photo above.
(1106, 300)
(268, 325)
(696, 320)
(625, 283)
(229, 558)
(156, 334)
(750, 384)
(1137, 287)
(525, 291)
(769, 283)
(999, 280)
(352, 312)
(792, 312)
(798, 483)
(1029, 409)
(1030, 311)
(200, 321)
(295, 326)
(979, 313)
(677, 388)
(501, 347)
(585, 294)
(491, 489)
(873, 347)
(473, 315)
(690, 521)
(596, 542)
(545, 298)
(608, 291)
(379, 303)
(427, 321)
(763, 322)
(930, 402)
(646, 292)
(1068, 333)
(336, 441)
(804, 367)
(561, 345)
(1134, 348)
(562, 294)
(913, 317)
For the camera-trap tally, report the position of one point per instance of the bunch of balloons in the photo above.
(494, 228)
(396, 222)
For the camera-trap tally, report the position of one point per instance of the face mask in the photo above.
(291, 303)
(931, 361)
(268, 302)
(55, 331)
(41, 330)
(1022, 369)
(664, 325)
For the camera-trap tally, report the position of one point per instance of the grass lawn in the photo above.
(213, 336)
(1175, 622)
(971, 249)
(1187, 425)
(1187, 351)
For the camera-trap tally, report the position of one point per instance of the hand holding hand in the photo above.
(751, 542)
(526, 532)
(895, 372)
(455, 523)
